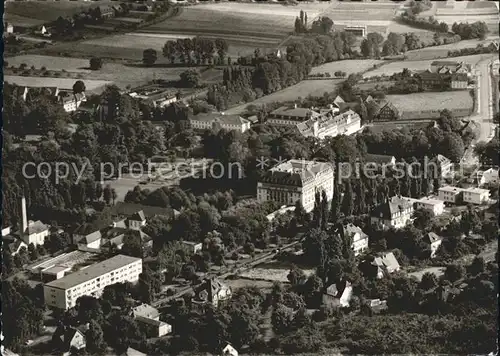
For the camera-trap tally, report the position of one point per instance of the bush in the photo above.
(95, 63)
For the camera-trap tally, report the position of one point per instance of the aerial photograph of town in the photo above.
(245, 177)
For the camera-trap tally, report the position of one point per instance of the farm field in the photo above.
(396, 67)
(349, 66)
(62, 83)
(372, 85)
(431, 101)
(442, 51)
(38, 12)
(51, 63)
(302, 89)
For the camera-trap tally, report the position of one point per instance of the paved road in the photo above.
(484, 114)
(484, 111)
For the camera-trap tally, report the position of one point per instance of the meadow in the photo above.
(25, 13)
(349, 66)
(300, 90)
(95, 86)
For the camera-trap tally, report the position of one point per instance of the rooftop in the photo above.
(427, 200)
(219, 117)
(94, 271)
(302, 113)
(379, 159)
(392, 206)
(449, 188)
(154, 322)
(295, 172)
(476, 190)
(56, 269)
(146, 311)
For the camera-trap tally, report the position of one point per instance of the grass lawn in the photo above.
(61, 83)
(51, 63)
(396, 67)
(349, 66)
(302, 89)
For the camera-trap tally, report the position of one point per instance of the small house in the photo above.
(359, 238)
(436, 206)
(444, 166)
(489, 176)
(476, 195)
(338, 294)
(385, 265)
(228, 350)
(137, 220)
(153, 327)
(67, 338)
(194, 247)
(213, 291)
(388, 112)
(433, 241)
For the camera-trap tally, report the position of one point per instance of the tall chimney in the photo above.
(24, 225)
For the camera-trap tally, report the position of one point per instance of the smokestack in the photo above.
(24, 225)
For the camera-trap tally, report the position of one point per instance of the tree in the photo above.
(423, 219)
(149, 56)
(322, 26)
(296, 275)
(454, 272)
(477, 266)
(78, 87)
(107, 194)
(348, 200)
(94, 336)
(132, 245)
(429, 281)
(452, 146)
(190, 78)
(95, 63)
(281, 319)
(114, 195)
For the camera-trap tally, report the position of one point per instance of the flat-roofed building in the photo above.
(63, 293)
(434, 205)
(476, 195)
(450, 194)
(296, 180)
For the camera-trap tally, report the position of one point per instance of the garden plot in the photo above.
(270, 274)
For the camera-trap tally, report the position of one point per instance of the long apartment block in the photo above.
(63, 293)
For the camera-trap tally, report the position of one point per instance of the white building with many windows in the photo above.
(359, 238)
(63, 293)
(476, 195)
(450, 194)
(330, 125)
(296, 180)
(216, 121)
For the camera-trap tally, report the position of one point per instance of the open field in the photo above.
(302, 89)
(117, 73)
(349, 66)
(430, 103)
(51, 63)
(241, 283)
(442, 51)
(37, 12)
(62, 83)
(396, 67)
(465, 11)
